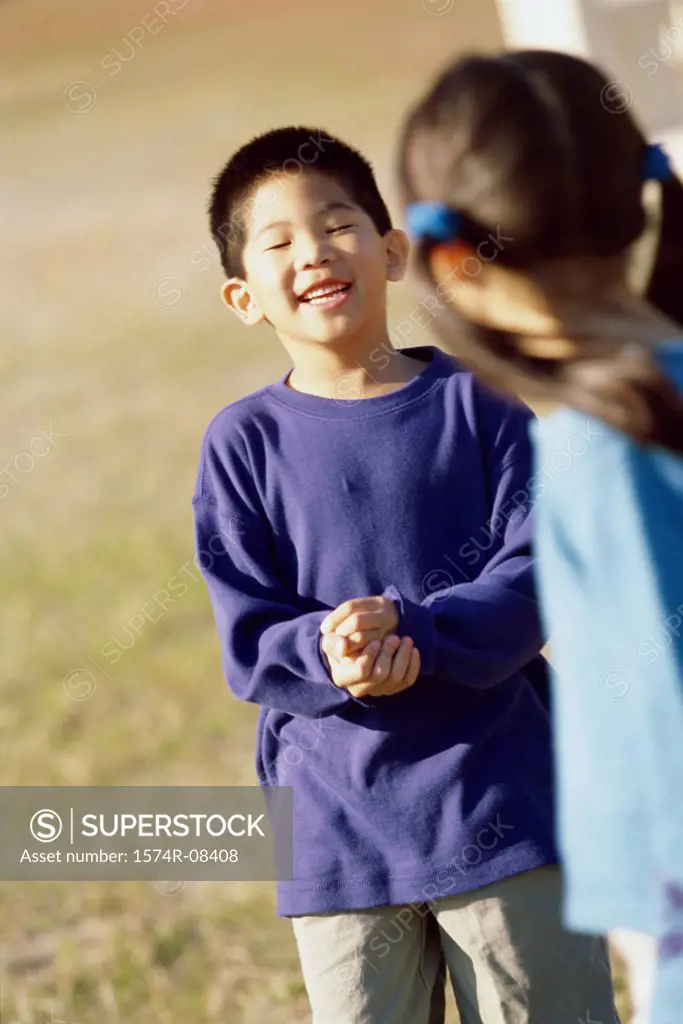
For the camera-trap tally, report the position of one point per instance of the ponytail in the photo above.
(522, 142)
(624, 387)
(666, 285)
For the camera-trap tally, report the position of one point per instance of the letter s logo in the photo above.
(45, 825)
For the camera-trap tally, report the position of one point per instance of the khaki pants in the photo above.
(509, 959)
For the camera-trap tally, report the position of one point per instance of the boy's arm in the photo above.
(480, 631)
(271, 651)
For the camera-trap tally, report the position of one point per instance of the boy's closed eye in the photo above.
(330, 231)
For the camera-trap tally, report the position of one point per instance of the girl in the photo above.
(559, 274)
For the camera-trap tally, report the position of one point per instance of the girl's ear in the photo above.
(238, 297)
(396, 249)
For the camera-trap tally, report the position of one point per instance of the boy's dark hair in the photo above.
(285, 150)
(529, 145)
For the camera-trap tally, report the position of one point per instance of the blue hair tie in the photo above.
(657, 164)
(432, 220)
(442, 223)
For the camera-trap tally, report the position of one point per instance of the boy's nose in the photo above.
(311, 253)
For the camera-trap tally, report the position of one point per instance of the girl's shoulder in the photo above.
(570, 430)
(571, 444)
(590, 472)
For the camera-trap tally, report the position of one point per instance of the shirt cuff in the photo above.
(417, 622)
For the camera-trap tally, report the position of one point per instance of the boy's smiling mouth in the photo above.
(329, 294)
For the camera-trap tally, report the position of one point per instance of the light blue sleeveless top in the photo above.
(610, 570)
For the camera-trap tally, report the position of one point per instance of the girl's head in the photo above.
(539, 186)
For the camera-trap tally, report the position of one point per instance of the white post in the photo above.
(638, 43)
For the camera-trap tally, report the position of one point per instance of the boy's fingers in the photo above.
(351, 672)
(382, 668)
(337, 616)
(412, 671)
(358, 640)
(360, 666)
(360, 690)
(379, 606)
(340, 646)
(328, 645)
(414, 667)
(359, 622)
(401, 660)
(330, 622)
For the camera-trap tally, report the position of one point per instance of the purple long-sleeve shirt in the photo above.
(421, 494)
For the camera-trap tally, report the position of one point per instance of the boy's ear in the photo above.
(396, 249)
(237, 297)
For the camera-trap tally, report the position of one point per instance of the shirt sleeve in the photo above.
(271, 650)
(481, 631)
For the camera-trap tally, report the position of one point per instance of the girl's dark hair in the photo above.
(529, 148)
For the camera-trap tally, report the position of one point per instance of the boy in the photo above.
(389, 635)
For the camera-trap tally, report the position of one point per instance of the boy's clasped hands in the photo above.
(364, 654)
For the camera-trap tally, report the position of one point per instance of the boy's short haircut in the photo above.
(285, 150)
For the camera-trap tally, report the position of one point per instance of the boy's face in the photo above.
(316, 267)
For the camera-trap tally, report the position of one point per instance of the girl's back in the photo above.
(609, 535)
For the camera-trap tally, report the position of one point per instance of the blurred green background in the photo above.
(117, 348)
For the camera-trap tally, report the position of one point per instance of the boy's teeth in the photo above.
(320, 294)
